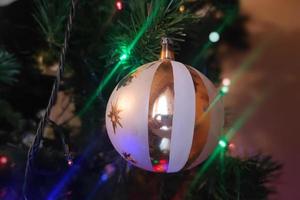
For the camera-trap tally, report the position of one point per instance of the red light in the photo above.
(162, 167)
(119, 5)
(3, 160)
(163, 161)
(158, 168)
(231, 146)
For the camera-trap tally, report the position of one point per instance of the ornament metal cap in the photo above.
(166, 49)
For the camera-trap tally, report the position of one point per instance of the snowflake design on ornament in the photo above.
(114, 116)
(128, 157)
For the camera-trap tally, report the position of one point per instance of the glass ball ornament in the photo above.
(157, 117)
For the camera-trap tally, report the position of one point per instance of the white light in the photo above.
(164, 144)
(226, 82)
(214, 36)
(164, 127)
(162, 105)
(158, 117)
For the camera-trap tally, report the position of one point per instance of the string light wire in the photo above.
(34, 148)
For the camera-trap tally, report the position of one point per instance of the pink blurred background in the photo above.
(274, 127)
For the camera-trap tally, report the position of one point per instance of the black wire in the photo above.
(34, 149)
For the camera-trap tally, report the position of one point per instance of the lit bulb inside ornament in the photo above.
(156, 117)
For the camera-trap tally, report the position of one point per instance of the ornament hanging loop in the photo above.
(166, 49)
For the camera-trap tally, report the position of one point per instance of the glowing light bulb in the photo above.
(214, 37)
(104, 177)
(3, 160)
(224, 90)
(231, 146)
(226, 82)
(182, 8)
(119, 5)
(123, 57)
(70, 162)
(222, 143)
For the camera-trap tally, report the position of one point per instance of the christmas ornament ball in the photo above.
(158, 119)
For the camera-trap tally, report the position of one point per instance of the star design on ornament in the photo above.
(114, 116)
(128, 157)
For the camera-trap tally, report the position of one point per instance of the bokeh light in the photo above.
(119, 5)
(214, 37)
(222, 143)
(3, 160)
(226, 81)
(182, 8)
(224, 90)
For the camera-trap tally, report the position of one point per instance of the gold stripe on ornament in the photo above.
(160, 116)
(202, 119)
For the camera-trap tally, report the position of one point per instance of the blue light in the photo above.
(104, 177)
(75, 168)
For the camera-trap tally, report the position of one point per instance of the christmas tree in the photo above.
(74, 158)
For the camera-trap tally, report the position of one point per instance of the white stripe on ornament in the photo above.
(132, 137)
(183, 118)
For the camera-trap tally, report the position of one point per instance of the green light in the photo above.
(222, 143)
(123, 57)
(103, 83)
(155, 161)
(224, 90)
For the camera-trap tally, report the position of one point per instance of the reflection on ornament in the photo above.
(160, 166)
(164, 144)
(114, 116)
(165, 125)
